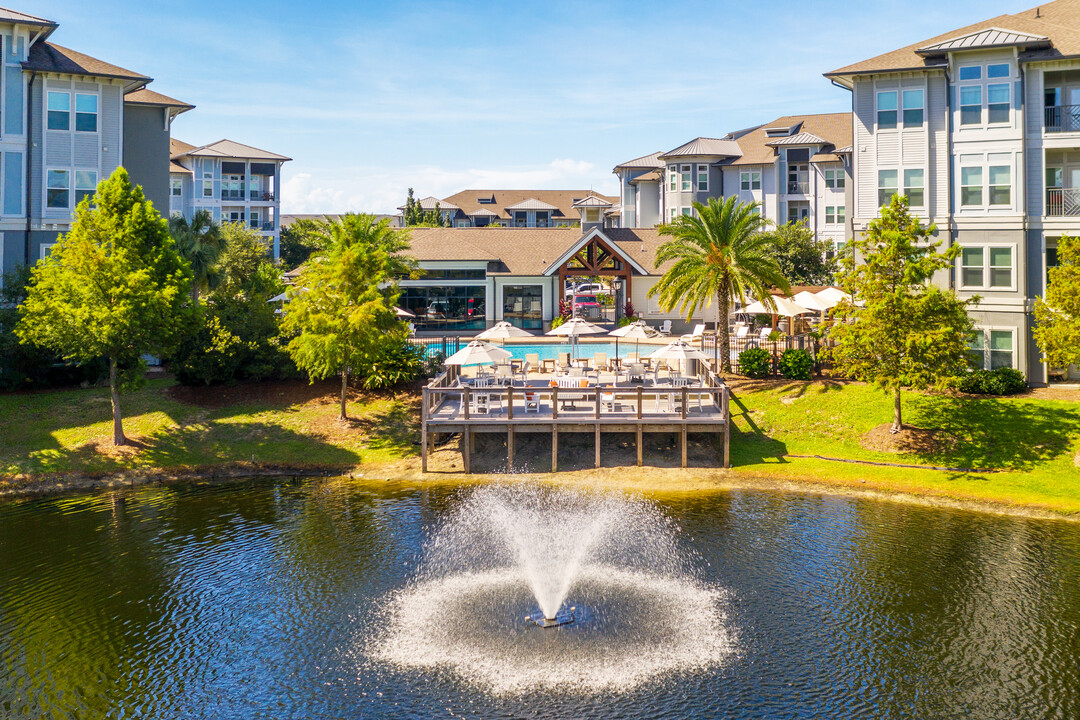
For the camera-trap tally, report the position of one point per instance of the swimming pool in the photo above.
(551, 351)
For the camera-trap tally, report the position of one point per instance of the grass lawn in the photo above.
(1025, 445)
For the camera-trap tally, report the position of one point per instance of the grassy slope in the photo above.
(1032, 441)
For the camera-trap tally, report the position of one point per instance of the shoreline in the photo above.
(648, 481)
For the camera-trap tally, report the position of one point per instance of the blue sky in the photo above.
(370, 98)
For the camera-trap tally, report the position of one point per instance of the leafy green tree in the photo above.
(414, 214)
(299, 240)
(199, 242)
(909, 333)
(802, 258)
(114, 286)
(1057, 316)
(341, 310)
(719, 254)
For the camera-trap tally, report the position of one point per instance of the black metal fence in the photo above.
(446, 344)
(775, 348)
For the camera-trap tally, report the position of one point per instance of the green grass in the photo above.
(1023, 447)
(71, 431)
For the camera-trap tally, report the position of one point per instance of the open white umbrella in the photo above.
(636, 331)
(783, 306)
(478, 352)
(403, 313)
(832, 297)
(810, 301)
(678, 350)
(575, 327)
(503, 330)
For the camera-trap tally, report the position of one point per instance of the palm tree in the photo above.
(200, 243)
(719, 253)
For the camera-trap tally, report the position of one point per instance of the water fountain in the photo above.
(603, 576)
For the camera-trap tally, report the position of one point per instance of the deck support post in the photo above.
(726, 414)
(466, 441)
(424, 403)
(639, 438)
(554, 448)
(639, 401)
(596, 444)
(510, 448)
(682, 438)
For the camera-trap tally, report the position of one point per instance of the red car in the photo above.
(586, 306)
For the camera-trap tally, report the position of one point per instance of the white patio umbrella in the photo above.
(832, 297)
(679, 350)
(636, 331)
(478, 352)
(574, 328)
(503, 330)
(403, 313)
(784, 307)
(810, 301)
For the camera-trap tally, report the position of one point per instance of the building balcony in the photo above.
(1063, 202)
(250, 196)
(798, 188)
(1062, 118)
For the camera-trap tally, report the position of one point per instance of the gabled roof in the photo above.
(803, 138)
(47, 57)
(430, 202)
(175, 167)
(231, 149)
(829, 129)
(483, 212)
(626, 257)
(1055, 27)
(592, 201)
(718, 147)
(179, 147)
(651, 160)
(14, 16)
(651, 176)
(143, 96)
(988, 38)
(531, 204)
(562, 200)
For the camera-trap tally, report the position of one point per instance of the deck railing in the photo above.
(1062, 118)
(1062, 202)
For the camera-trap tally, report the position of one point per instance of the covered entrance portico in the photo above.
(594, 258)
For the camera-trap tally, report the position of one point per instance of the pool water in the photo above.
(551, 351)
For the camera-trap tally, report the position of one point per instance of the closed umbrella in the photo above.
(478, 352)
(574, 328)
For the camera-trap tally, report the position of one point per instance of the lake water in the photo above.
(261, 600)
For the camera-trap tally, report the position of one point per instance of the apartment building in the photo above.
(980, 128)
(235, 183)
(524, 208)
(796, 167)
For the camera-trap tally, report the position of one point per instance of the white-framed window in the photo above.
(176, 187)
(45, 250)
(970, 72)
(673, 178)
(835, 179)
(750, 180)
(688, 211)
(998, 98)
(703, 178)
(991, 348)
(886, 110)
(58, 189)
(59, 111)
(463, 223)
(978, 86)
(834, 214)
(687, 178)
(253, 219)
(673, 213)
(997, 70)
(913, 187)
(971, 104)
(85, 184)
(86, 112)
(234, 216)
(887, 186)
(208, 188)
(971, 186)
(1000, 184)
(913, 108)
(987, 267)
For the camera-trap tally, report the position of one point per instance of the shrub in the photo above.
(628, 310)
(1002, 381)
(557, 321)
(755, 363)
(795, 364)
(395, 362)
(433, 363)
(565, 311)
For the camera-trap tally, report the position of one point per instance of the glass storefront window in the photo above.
(523, 306)
(449, 308)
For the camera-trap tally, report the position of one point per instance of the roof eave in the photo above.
(841, 75)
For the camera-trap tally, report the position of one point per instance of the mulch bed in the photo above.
(910, 440)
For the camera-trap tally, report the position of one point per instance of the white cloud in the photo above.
(366, 189)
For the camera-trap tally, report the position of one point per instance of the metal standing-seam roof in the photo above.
(989, 38)
(803, 138)
(233, 149)
(651, 160)
(592, 201)
(703, 146)
(14, 16)
(531, 204)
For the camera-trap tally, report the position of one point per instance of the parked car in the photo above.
(586, 306)
(588, 288)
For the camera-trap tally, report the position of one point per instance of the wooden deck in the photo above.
(606, 406)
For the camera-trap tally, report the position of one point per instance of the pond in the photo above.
(269, 599)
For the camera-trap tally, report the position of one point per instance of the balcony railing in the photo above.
(1062, 118)
(798, 188)
(1063, 202)
(251, 196)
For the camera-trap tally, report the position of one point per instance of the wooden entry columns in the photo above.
(596, 257)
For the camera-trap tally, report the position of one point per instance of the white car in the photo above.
(588, 288)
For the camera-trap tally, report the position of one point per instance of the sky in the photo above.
(372, 98)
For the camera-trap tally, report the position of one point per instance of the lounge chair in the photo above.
(764, 333)
(532, 362)
(607, 400)
(564, 362)
(699, 332)
(600, 361)
(575, 372)
(741, 330)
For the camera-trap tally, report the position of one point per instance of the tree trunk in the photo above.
(114, 389)
(344, 389)
(897, 423)
(195, 293)
(722, 334)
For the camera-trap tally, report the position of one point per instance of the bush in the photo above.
(795, 364)
(557, 321)
(433, 363)
(395, 362)
(755, 363)
(1002, 381)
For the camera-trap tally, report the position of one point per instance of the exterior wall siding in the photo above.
(146, 153)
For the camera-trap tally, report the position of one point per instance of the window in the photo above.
(592, 215)
(673, 213)
(997, 103)
(253, 219)
(798, 212)
(686, 178)
(1000, 185)
(688, 211)
(913, 187)
(46, 250)
(986, 267)
(85, 184)
(834, 179)
(887, 186)
(992, 349)
(971, 72)
(997, 71)
(703, 178)
(86, 113)
(834, 215)
(58, 189)
(971, 105)
(913, 108)
(208, 188)
(971, 187)
(176, 187)
(886, 110)
(673, 178)
(750, 180)
(59, 111)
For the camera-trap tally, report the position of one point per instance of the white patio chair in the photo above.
(742, 330)
(607, 400)
(665, 328)
(636, 371)
(532, 401)
(697, 334)
(504, 374)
